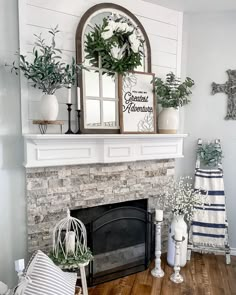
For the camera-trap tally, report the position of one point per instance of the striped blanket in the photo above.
(209, 223)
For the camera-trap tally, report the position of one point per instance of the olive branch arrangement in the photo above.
(47, 71)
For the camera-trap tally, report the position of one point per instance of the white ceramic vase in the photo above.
(49, 107)
(168, 121)
(179, 222)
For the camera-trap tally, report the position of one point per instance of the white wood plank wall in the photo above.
(163, 26)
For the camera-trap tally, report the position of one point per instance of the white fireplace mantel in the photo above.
(60, 150)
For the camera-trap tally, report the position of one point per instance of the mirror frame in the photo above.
(79, 48)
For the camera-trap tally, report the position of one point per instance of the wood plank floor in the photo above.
(203, 275)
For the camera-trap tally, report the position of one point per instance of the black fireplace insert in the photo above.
(121, 238)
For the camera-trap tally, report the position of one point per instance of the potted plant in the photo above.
(171, 95)
(210, 155)
(47, 72)
(181, 198)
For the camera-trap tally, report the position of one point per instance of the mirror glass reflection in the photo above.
(91, 81)
(108, 86)
(109, 113)
(93, 113)
(98, 19)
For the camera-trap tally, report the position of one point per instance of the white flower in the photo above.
(118, 52)
(113, 25)
(107, 34)
(109, 29)
(129, 28)
(134, 42)
(122, 26)
(115, 50)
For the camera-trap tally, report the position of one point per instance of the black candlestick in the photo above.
(79, 131)
(69, 131)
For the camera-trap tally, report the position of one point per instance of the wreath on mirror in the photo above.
(116, 45)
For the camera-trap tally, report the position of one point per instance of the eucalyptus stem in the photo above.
(210, 154)
(173, 92)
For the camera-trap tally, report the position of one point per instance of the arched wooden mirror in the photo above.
(98, 90)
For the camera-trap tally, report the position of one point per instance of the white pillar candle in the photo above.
(178, 234)
(69, 94)
(70, 242)
(78, 98)
(159, 215)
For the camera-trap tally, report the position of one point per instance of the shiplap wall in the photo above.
(163, 26)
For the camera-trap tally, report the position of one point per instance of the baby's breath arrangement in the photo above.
(182, 198)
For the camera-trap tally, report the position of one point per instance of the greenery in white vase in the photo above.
(210, 154)
(172, 92)
(181, 197)
(47, 71)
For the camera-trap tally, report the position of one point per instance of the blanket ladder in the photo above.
(203, 249)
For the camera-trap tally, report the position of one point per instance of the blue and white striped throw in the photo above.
(209, 223)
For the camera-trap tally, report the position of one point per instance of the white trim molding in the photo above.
(233, 251)
(60, 150)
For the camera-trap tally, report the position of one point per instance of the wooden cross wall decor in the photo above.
(228, 88)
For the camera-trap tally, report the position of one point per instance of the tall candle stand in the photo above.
(69, 131)
(78, 131)
(176, 277)
(157, 270)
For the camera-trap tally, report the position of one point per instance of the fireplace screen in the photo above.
(120, 238)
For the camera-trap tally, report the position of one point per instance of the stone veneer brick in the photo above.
(50, 191)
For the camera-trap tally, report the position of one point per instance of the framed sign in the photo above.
(137, 103)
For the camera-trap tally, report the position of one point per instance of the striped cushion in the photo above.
(45, 278)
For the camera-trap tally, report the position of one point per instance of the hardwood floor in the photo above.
(203, 275)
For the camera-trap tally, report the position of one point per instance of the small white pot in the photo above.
(49, 107)
(177, 222)
(168, 121)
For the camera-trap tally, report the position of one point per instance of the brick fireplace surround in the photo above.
(50, 191)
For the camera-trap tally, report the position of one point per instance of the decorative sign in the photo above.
(137, 103)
